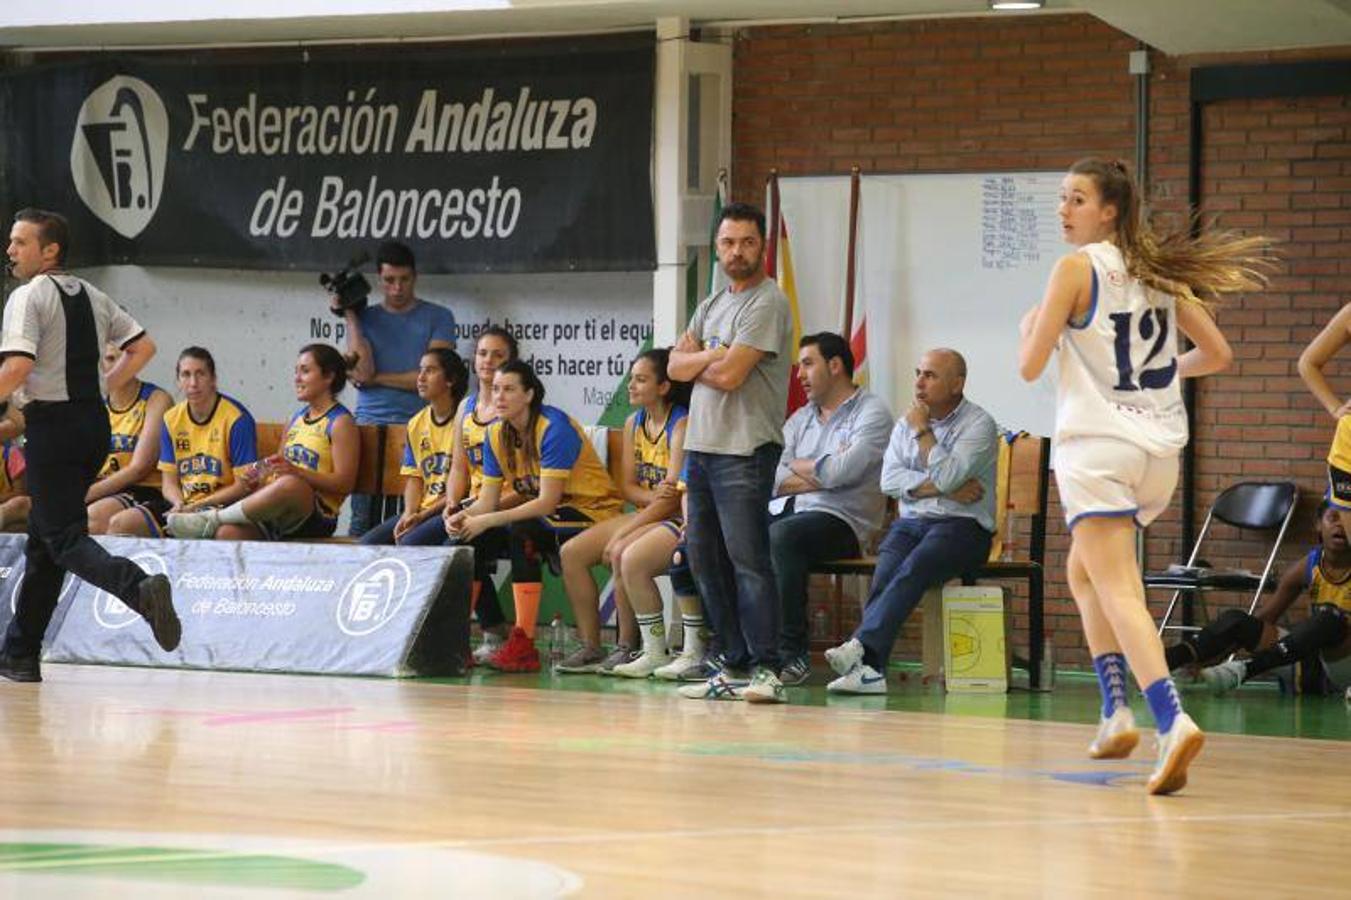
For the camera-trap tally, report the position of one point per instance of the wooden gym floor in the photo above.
(167, 784)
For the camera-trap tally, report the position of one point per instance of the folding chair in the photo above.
(1249, 505)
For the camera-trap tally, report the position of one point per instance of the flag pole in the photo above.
(772, 251)
(851, 270)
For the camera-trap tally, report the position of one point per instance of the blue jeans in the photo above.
(728, 536)
(916, 554)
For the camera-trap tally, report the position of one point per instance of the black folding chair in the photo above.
(1248, 505)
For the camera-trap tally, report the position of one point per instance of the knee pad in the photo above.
(682, 580)
(1237, 627)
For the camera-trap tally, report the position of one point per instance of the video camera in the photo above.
(349, 285)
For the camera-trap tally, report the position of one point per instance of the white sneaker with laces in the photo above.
(1226, 676)
(490, 644)
(685, 667)
(193, 525)
(1117, 736)
(1177, 749)
(643, 666)
(862, 679)
(765, 687)
(845, 657)
(720, 687)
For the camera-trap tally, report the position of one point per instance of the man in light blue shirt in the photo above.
(940, 466)
(827, 503)
(388, 341)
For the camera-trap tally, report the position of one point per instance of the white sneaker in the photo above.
(720, 687)
(1117, 736)
(765, 687)
(686, 667)
(862, 679)
(845, 657)
(1177, 749)
(193, 525)
(491, 644)
(1226, 676)
(643, 666)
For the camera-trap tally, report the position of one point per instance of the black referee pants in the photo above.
(66, 446)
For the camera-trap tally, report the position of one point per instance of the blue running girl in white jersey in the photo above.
(1113, 308)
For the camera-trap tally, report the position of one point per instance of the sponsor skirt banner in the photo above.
(481, 157)
(317, 608)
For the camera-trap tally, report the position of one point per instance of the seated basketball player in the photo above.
(129, 475)
(427, 452)
(544, 454)
(206, 443)
(296, 492)
(637, 546)
(1322, 643)
(14, 501)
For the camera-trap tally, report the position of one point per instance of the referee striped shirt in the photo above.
(62, 323)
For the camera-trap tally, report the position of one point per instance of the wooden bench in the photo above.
(1028, 481)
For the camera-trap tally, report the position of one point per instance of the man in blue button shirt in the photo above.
(827, 499)
(940, 466)
(388, 341)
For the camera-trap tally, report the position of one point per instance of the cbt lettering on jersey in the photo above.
(426, 454)
(1322, 589)
(1118, 366)
(309, 445)
(207, 455)
(564, 453)
(126, 425)
(472, 435)
(652, 457)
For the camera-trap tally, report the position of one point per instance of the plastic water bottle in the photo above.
(820, 624)
(558, 636)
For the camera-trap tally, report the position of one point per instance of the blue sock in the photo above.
(1111, 669)
(1163, 703)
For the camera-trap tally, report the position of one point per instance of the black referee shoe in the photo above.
(156, 603)
(20, 668)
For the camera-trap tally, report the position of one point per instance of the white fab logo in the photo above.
(118, 152)
(373, 596)
(111, 612)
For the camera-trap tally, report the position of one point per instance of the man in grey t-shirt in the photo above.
(738, 352)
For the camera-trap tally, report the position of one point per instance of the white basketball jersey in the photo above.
(1118, 370)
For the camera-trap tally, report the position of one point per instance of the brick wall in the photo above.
(1038, 92)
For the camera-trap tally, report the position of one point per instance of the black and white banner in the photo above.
(319, 608)
(483, 158)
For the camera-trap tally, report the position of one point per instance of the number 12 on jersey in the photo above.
(1152, 324)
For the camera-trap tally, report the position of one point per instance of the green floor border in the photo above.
(1255, 709)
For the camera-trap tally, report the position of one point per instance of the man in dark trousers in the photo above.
(55, 328)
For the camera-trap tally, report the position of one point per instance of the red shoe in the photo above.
(518, 654)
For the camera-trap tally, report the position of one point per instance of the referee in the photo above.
(54, 331)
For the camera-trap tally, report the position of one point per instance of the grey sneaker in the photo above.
(796, 671)
(581, 661)
(193, 525)
(621, 654)
(1226, 676)
(765, 687)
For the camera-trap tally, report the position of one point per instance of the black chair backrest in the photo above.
(1256, 504)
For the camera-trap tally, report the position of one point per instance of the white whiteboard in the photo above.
(944, 261)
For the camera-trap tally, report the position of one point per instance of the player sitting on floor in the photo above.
(1322, 643)
(129, 476)
(206, 442)
(296, 492)
(544, 454)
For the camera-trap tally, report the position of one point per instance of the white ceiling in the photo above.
(1173, 26)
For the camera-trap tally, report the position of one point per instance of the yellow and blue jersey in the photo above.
(126, 425)
(1323, 589)
(473, 434)
(309, 445)
(207, 455)
(564, 453)
(652, 457)
(426, 454)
